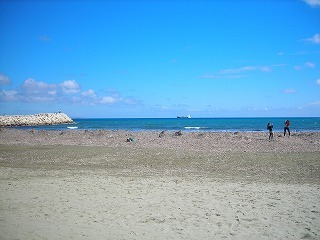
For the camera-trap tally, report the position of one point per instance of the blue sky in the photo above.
(160, 58)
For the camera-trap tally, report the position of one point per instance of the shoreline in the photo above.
(74, 127)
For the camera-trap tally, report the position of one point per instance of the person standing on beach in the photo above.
(286, 127)
(270, 127)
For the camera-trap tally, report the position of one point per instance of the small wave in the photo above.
(193, 128)
(72, 127)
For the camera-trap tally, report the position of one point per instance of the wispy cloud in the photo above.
(265, 69)
(131, 101)
(4, 80)
(301, 53)
(305, 65)
(315, 39)
(289, 91)
(115, 97)
(318, 81)
(89, 93)
(209, 76)
(310, 64)
(247, 69)
(317, 103)
(8, 96)
(44, 38)
(279, 65)
(313, 3)
(212, 76)
(239, 72)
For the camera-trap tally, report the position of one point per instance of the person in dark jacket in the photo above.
(286, 127)
(270, 127)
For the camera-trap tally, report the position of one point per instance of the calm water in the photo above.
(191, 124)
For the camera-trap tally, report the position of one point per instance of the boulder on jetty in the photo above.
(35, 120)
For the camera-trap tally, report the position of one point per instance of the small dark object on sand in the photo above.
(179, 133)
(161, 134)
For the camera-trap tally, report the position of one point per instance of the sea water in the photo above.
(189, 124)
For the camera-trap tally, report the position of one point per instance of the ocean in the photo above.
(298, 124)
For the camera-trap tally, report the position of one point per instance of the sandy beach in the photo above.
(200, 185)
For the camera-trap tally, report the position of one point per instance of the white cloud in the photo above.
(312, 3)
(289, 91)
(68, 92)
(53, 92)
(70, 87)
(109, 100)
(34, 91)
(318, 81)
(33, 87)
(315, 39)
(4, 80)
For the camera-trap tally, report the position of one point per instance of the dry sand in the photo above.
(201, 185)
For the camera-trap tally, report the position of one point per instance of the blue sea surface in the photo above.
(298, 124)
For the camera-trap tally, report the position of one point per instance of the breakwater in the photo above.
(35, 119)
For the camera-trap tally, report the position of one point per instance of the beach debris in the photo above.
(200, 135)
(179, 133)
(161, 134)
(131, 140)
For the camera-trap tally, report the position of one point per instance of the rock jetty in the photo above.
(35, 120)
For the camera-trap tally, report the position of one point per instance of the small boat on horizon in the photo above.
(188, 116)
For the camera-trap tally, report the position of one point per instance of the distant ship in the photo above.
(188, 116)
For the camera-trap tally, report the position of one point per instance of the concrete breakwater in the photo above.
(35, 119)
